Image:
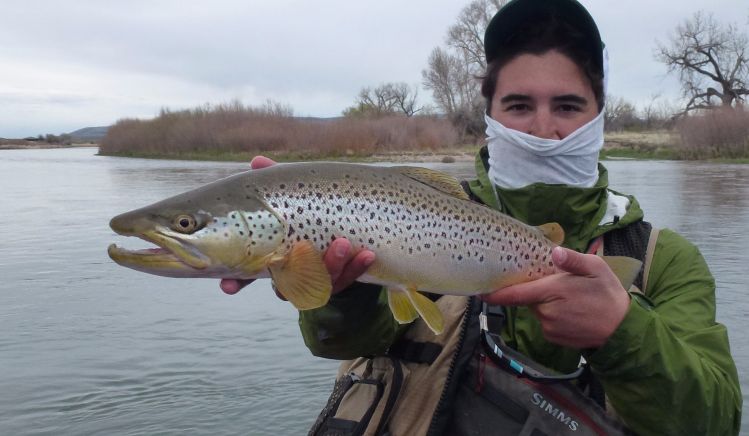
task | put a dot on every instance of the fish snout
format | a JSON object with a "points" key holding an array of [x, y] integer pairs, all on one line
{"points": [[122, 224]]}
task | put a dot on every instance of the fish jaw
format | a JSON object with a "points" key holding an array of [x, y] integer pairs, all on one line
{"points": [[172, 258], [153, 261]]}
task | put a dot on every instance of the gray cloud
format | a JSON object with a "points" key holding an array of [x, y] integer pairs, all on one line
{"points": [[103, 60]]}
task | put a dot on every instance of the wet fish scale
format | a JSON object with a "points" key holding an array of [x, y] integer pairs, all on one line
{"points": [[472, 248]]}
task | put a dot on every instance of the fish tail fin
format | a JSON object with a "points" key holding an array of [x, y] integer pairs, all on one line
{"points": [[625, 268]]}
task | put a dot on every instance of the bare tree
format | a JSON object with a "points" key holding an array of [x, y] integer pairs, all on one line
{"points": [[405, 98], [712, 61], [451, 73], [619, 114], [386, 99], [658, 113]]}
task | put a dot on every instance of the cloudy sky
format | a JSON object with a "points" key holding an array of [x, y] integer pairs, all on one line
{"points": [[67, 65]]}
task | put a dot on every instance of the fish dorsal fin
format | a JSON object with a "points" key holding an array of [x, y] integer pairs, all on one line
{"points": [[553, 232], [436, 179], [428, 310], [301, 276], [403, 311]]}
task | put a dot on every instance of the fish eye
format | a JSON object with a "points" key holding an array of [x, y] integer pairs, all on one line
{"points": [[185, 224]]}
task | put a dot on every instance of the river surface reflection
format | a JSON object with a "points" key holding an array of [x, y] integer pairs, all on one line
{"points": [[89, 347]]}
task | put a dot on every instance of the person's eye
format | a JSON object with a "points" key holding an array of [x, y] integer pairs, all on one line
{"points": [[569, 108], [519, 107]]}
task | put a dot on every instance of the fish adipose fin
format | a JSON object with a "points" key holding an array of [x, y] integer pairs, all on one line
{"points": [[436, 179], [553, 232], [626, 269], [428, 310], [403, 311], [301, 277]]}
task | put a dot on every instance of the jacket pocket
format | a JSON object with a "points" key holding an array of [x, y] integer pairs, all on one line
{"points": [[362, 399]]}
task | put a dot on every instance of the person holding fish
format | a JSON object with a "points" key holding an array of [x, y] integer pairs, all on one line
{"points": [[657, 358]]}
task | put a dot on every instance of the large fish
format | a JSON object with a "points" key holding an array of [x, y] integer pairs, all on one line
{"points": [[276, 222]]}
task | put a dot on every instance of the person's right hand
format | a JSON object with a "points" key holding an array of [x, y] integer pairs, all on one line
{"points": [[344, 265]]}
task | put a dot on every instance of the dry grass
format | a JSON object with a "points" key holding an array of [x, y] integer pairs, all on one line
{"points": [[656, 144], [236, 129], [716, 134]]}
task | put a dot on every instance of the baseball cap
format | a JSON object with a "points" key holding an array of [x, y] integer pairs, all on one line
{"points": [[517, 13]]}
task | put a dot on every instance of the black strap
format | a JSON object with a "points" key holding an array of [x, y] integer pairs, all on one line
{"points": [[416, 352], [471, 195]]}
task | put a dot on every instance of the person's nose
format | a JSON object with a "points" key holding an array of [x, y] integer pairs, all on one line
{"points": [[543, 126]]}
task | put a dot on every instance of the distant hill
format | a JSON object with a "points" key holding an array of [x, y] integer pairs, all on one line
{"points": [[88, 134]]}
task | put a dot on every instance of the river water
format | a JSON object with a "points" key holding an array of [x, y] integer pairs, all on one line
{"points": [[88, 347]]}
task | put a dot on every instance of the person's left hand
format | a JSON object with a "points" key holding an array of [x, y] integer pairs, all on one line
{"points": [[580, 306]]}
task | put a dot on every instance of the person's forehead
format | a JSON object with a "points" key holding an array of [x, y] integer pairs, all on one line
{"points": [[546, 75]]}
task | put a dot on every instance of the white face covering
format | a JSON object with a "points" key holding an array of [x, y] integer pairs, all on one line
{"points": [[517, 159]]}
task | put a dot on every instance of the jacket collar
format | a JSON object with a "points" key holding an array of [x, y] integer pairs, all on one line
{"points": [[578, 210]]}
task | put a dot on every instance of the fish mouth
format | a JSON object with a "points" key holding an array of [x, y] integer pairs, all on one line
{"points": [[171, 257]]}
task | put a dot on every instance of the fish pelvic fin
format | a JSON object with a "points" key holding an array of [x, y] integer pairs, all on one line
{"points": [[625, 268], [301, 276], [436, 179], [553, 232], [428, 310], [403, 311]]}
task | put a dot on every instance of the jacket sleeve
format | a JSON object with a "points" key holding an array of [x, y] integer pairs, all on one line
{"points": [[668, 368], [355, 322]]}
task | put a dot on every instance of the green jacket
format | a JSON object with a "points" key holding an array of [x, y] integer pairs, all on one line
{"points": [[667, 369]]}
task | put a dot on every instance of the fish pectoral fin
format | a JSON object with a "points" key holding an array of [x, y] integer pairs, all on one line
{"points": [[436, 179], [403, 311], [301, 276], [625, 268], [428, 310], [553, 232]]}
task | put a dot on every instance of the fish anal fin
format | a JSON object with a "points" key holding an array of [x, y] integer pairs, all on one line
{"points": [[553, 232], [428, 310], [301, 276], [625, 268], [436, 179], [403, 311]]}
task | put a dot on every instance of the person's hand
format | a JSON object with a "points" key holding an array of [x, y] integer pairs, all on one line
{"points": [[580, 306], [343, 264]]}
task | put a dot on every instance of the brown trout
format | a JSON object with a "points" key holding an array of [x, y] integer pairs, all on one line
{"points": [[277, 222]]}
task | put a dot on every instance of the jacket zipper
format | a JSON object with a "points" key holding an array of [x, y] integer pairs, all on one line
{"points": [[450, 372]]}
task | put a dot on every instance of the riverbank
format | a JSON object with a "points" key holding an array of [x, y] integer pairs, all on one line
{"points": [[39, 146], [630, 145], [653, 145]]}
